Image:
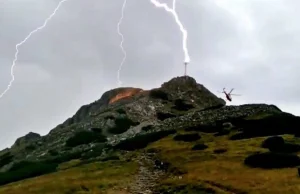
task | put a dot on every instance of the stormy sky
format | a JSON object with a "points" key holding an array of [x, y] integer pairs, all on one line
{"points": [[250, 45]]}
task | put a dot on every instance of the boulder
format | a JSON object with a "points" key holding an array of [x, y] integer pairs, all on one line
{"points": [[190, 93]]}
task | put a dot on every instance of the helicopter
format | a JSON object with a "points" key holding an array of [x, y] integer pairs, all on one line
{"points": [[228, 95]]}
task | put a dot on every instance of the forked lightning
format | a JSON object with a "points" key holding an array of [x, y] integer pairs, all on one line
{"points": [[121, 44], [182, 29], [22, 42]]}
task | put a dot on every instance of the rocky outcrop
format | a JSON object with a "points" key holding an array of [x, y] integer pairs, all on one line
{"points": [[106, 99], [189, 91], [28, 138], [125, 94]]}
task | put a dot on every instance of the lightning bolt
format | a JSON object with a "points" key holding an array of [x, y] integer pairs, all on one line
{"points": [[121, 44], [22, 42], [177, 20]]}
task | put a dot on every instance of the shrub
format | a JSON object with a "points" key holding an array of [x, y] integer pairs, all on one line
{"points": [[141, 141], [6, 159], [95, 152], [158, 94], [153, 150], [277, 144], [187, 137], [109, 158], [121, 111], [239, 136], [205, 128], [273, 143], [163, 116], [84, 137], [109, 117], [122, 125], [271, 160], [65, 157], [289, 148], [183, 188], [30, 147], [25, 169], [53, 152], [199, 146], [96, 130], [223, 132], [220, 151], [277, 124]]}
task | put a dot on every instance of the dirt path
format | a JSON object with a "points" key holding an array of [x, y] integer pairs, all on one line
{"points": [[147, 177]]}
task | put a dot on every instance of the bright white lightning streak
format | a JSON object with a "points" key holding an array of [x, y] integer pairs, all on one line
{"points": [[182, 29], [22, 42], [121, 44]]}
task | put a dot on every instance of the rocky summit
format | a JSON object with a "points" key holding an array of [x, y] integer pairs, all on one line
{"points": [[178, 138]]}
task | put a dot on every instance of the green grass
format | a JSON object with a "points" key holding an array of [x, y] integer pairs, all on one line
{"points": [[97, 177], [191, 171], [225, 172]]}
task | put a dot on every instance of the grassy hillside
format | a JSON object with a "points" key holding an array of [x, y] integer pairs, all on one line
{"points": [[97, 177], [225, 172], [219, 168]]}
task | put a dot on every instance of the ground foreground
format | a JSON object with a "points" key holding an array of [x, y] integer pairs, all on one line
{"points": [[219, 168]]}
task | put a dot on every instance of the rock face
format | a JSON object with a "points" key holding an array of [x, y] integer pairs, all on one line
{"points": [[187, 89], [26, 139], [124, 113], [101, 104], [125, 94]]}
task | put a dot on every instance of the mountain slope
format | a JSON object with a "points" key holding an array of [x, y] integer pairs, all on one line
{"points": [[179, 138]]}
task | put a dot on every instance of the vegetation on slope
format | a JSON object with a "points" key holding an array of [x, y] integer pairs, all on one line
{"points": [[97, 177], [209, 164], [122, 124], [25, 170], [227, 171], [84, 137], [200, 148]]}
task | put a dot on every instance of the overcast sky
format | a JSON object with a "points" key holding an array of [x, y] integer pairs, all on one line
{"points": [[251, 45]]}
